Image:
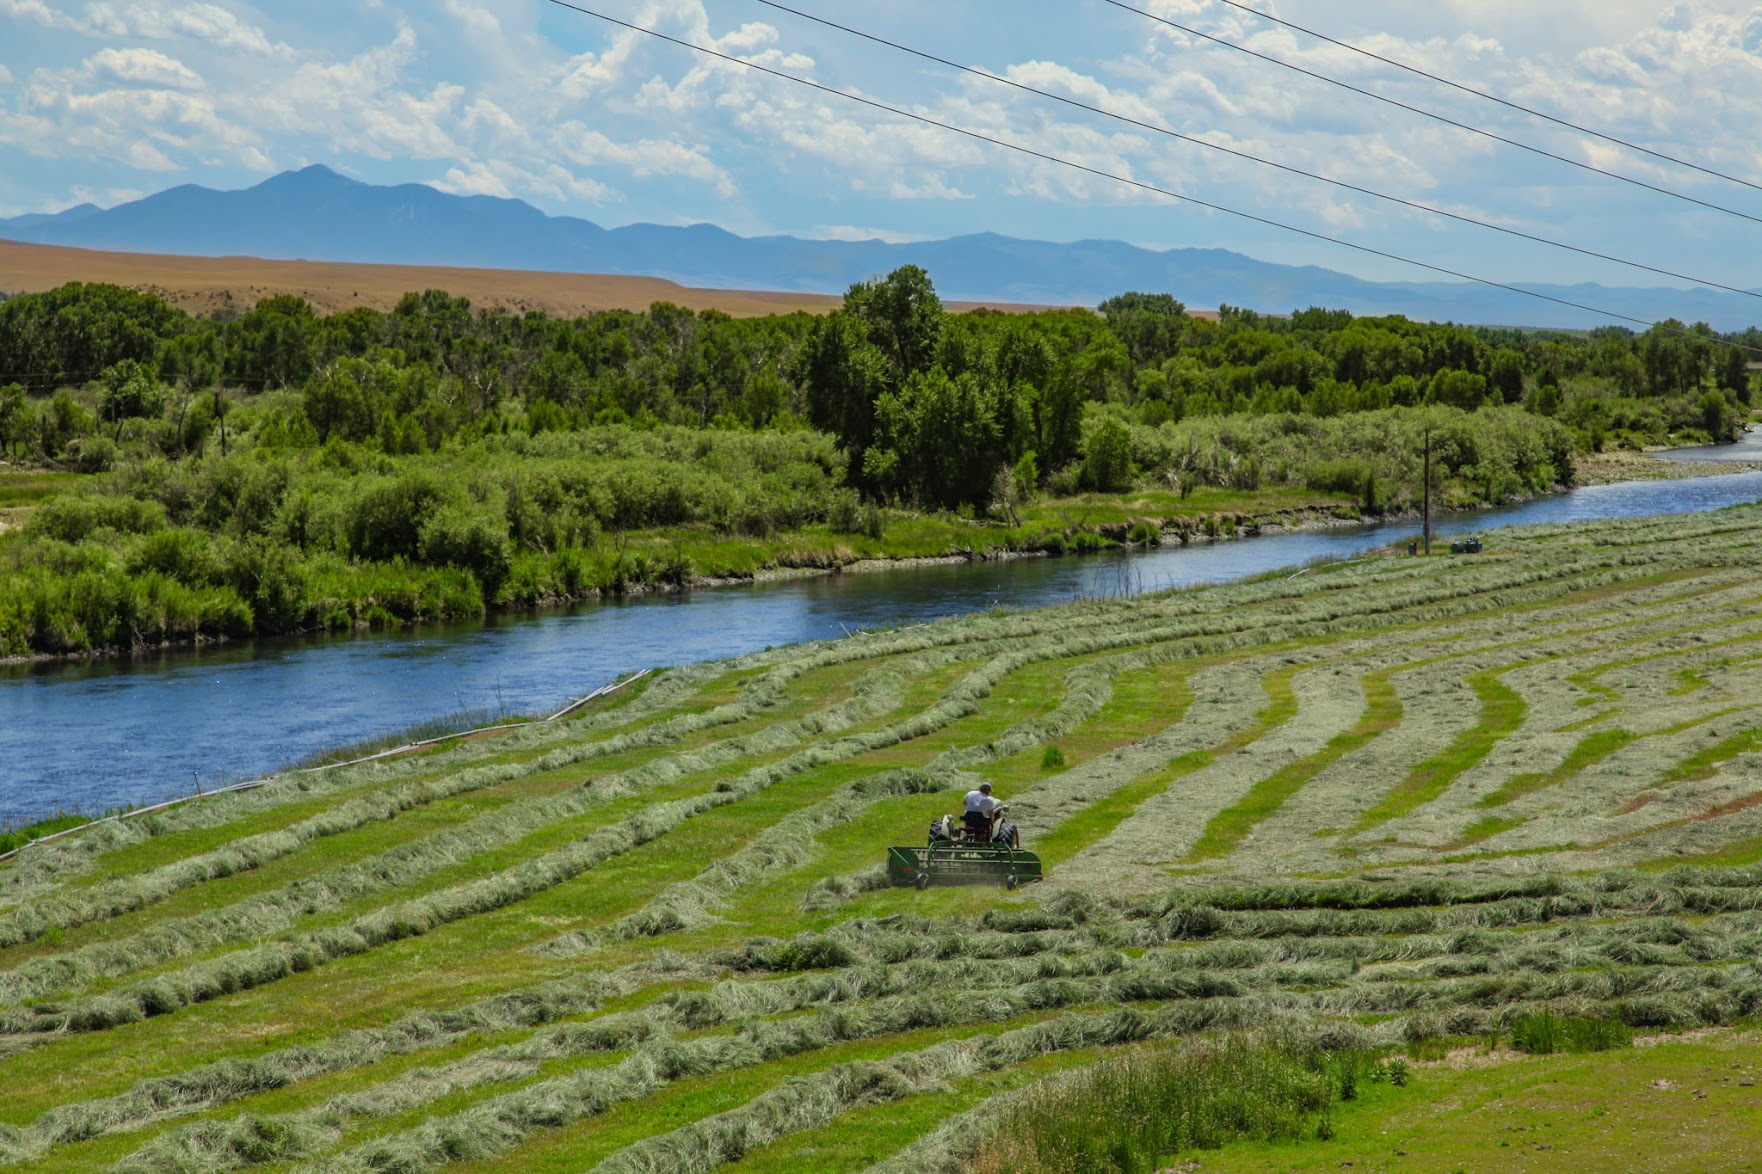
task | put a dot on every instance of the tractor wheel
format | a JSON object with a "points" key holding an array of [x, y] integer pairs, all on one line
{"points": [[923, 881], [1011, 881]]}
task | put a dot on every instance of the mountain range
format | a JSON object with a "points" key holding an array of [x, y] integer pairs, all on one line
{"points": [[317, 214]]}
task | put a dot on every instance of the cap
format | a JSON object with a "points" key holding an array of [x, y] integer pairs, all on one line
{"points": [[984, 786]]}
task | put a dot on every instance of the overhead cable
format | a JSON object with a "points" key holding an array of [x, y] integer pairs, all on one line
{"points": [[1447, 121], [1157, 128], [1141, 185], [1494, 98]]}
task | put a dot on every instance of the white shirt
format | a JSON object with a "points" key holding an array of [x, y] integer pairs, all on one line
{"points": [[982, 803]]}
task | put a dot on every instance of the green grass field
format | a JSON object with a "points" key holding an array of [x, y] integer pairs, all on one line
{"points": [[1391, 806]]}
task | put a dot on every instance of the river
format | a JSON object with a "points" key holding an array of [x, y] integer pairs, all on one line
{"points": [[88, 736]]}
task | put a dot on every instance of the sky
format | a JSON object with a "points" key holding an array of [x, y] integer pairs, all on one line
{"points": [[108, 100]]}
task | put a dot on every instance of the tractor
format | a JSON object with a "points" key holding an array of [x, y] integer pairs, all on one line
{"points": [[958, 855]]}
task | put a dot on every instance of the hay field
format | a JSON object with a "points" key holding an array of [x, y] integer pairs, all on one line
{"points": [[1398, 798], [209, 285]]}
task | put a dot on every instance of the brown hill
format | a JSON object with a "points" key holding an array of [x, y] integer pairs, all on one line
{"points": [[208, 285]]}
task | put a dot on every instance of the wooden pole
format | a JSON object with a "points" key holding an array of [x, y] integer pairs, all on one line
{"points": [[1426, 493]]}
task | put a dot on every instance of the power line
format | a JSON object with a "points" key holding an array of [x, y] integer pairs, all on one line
{"points": [[1142, 185], [1508, 104], [1424, 113], [1175, 134]]}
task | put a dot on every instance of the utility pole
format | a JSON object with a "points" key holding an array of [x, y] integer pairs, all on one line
{"points": [[1426, 493]]}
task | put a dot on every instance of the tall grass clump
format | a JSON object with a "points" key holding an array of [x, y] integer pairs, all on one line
{"points": [[461, 721], [1130, 1112], [18, 837], [1545, 1033]]}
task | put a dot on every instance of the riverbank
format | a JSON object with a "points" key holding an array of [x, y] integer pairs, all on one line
{"points": [[136, 727], [361, 596], [173, 611], [1607, 468]]}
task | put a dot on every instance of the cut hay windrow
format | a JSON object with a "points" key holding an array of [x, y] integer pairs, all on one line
{"points": [[228, 1080], [273, 912], [1608, 722], [24, 920], [250, 968], [1037, 983], [50, 865]]}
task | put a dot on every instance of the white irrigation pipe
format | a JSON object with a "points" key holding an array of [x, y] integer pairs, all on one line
{"points": [[602, 691]]}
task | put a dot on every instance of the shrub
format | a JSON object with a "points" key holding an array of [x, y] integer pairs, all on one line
{"points": [[186, 555], [1132, 1112], [1544, 1033], [1065, 481], [386, 519], [94, 454], [1342, 475], [459, 537], [73, 518], [848, 514], [1107, 456], [1052, 759]]}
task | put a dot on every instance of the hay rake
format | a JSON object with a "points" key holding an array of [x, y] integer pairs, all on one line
{"points": [[954, 857]]}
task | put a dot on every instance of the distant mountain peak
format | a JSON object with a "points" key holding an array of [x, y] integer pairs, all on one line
{"points": [[317, 213], [315, 175]]}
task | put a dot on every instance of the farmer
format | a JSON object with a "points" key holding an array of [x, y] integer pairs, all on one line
{"points": [[980, 808]]}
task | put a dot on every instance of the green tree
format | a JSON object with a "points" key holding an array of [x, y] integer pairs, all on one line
{"points": [[887, 332], [1107, 454], [1734, 372], [191, 360], [902, 316], [1505, 375], [844, 375], [1668, 359], [558, 376], [1716, 414], [940, 440], [275, 344], [347, 401], [13, 409], [130, 391], [1458, 389], [1150, 325], [70, 334]]}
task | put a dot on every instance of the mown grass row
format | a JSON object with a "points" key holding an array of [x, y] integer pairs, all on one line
{"points": [[667, 922]]}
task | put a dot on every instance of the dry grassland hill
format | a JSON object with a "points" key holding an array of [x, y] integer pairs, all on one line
{"points": [[219, 285]]}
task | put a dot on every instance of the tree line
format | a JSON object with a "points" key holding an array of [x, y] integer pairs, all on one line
{"points": [[284, 471], [932, 408]]}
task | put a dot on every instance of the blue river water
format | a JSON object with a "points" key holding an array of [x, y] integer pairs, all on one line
{"points": [[88, 736]]}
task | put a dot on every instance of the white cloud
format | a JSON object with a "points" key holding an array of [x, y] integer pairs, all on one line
{"points": [[203, 22], [471, 94], [850, 232], [474, 179], [511, 181], [645, 157], [143, 67], [33, 10], [1058, 79]]}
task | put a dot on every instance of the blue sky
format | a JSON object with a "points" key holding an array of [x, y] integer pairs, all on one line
{"points": [[105, 100]]}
